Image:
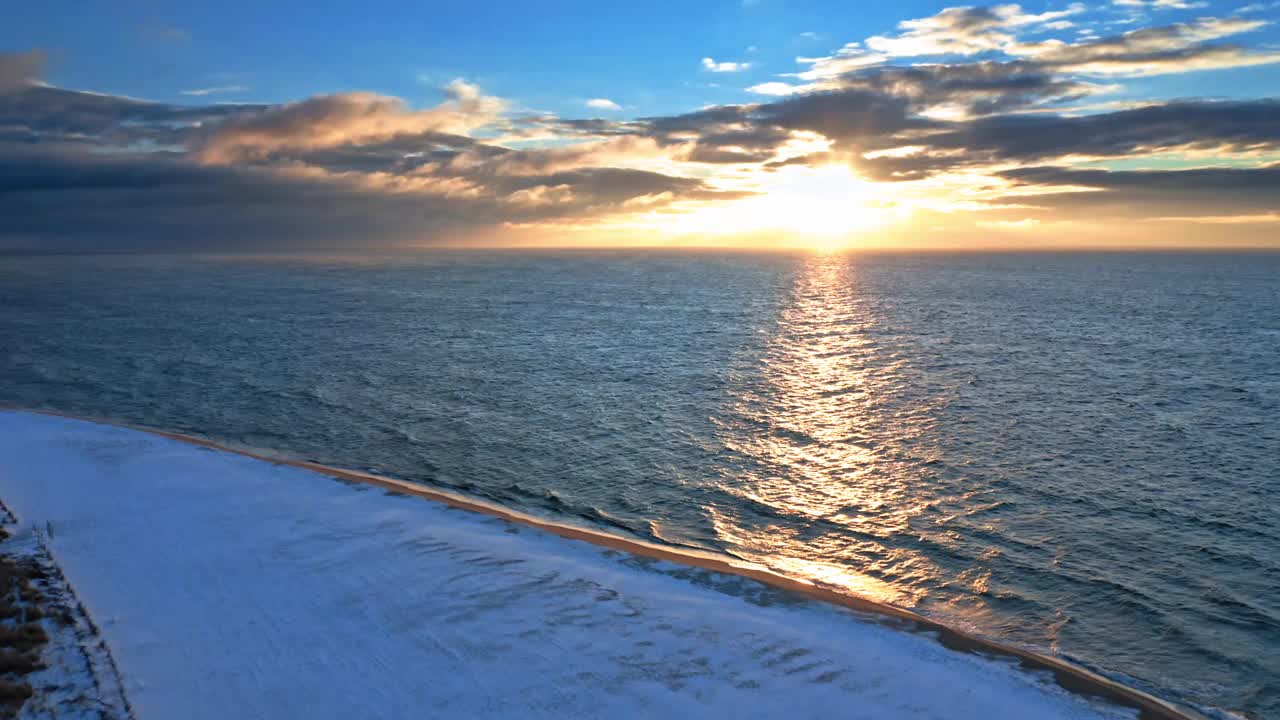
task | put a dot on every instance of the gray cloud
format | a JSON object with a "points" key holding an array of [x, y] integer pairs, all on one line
{"points": [[980, 88], [1243, 126], [54, 115], [1152, 193], [741, 133], [71, 200], [1236, 126]]}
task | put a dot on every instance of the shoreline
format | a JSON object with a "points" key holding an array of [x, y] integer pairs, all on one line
{"points": [[1069, 676]]}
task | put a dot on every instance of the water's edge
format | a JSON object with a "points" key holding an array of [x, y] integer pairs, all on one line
{"points": [[1067, 674]]}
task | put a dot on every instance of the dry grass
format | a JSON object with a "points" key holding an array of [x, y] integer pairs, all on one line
{"points": [[13, 693], [21, 633]]}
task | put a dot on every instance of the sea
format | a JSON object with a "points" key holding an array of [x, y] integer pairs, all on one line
{"points": [[1071, 452]]}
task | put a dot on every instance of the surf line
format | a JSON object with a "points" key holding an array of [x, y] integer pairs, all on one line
{"points": [[1068, 675]]}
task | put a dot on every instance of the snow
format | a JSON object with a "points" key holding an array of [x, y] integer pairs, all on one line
{"points": [[232, 587], [79, 680]]}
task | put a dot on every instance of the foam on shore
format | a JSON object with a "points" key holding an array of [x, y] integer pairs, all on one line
{"points": [[228, 586]]}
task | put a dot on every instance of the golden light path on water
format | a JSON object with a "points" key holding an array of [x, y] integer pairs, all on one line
{"points": [[825, 439]]}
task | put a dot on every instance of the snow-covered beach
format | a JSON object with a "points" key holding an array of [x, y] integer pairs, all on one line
{"points": [[229, 586]]}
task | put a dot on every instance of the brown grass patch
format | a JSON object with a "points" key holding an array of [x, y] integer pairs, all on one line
{"points": [[12, 694], [19, 663], [21, 633]]}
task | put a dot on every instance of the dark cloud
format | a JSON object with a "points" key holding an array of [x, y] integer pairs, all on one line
{"points": [[754, 133], [980, 88], [147, 202], [1265, 180], [851, 116], [1199, 191], [1236, 126], [163, 201], [55, 115], [703, 152]]}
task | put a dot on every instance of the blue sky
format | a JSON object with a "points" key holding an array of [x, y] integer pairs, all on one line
{"points": [[909, 122], [547, 56]]}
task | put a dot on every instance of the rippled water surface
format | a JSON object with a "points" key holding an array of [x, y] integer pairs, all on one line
{"points": [[1078, 453]]}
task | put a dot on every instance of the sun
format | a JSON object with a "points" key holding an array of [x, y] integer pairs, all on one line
{"points": [[826, 209]]}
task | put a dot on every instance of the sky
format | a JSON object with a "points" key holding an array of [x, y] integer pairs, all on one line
{"points": [[145, 126]]}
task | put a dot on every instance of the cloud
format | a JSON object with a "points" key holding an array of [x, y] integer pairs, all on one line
{"points": [[19, 70], [315, 173], [972, 89], [779, 89], [963, 30], [1188, 193], [52, 115], [359, 117], [1257, 7], [1212, 127], [850, 58], [987, 116], [954, 90], [1150, 51], [1268, 218], [1162, 4], [1035, 73], [201, 92], [724, 67], [967, 31], [145, 202]]}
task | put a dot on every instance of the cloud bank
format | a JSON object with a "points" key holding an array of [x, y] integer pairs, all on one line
{"points": [[978, 119]]}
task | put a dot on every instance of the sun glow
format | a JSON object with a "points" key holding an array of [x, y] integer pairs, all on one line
{"points": [[825, 208]]}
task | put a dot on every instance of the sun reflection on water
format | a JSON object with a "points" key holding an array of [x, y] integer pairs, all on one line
{"points": [[820, 437]]}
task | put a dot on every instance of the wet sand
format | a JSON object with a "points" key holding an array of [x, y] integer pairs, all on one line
{"points": [[1070, 676]]}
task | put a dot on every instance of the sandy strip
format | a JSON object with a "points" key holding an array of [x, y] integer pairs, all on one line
{"points": [[1070, 676]]}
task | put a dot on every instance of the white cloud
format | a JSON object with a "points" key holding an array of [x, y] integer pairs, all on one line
{"points": [[847, 59], [603, 104], [1163, 4], [964, 30], [723, 67], [214, 90], [776, 89], [1257, 7]]}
